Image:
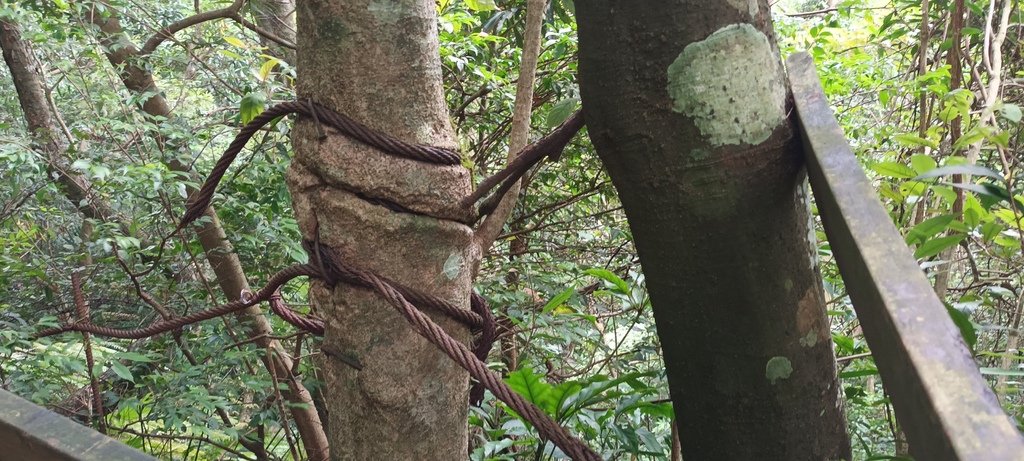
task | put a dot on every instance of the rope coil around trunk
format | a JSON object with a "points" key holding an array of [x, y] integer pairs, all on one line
{"points": [[327, 266]]}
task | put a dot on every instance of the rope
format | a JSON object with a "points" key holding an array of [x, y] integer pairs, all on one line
{"points": [[321, 115], [325, 264]]}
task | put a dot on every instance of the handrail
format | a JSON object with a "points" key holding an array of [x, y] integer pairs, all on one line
{"points": [[31, 432], [942, 402]]}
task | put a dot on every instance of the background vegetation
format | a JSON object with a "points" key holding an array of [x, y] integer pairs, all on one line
{"points": [[579, 339]]}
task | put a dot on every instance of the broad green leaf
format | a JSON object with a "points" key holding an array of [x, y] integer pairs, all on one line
{"points": [[133, 356], [562, 393], [928, 228], [561, 111], [963, 322], [990, 230], [558, 300], [234, 42], [858, 373], [481, 5], [529, 385], [935, 246], [913, 140], [252, 105], [620, 285], [267, 67], [893, 170], [922, 163], [972, 136], [973, 170], [122, 371], [1011, 112]]}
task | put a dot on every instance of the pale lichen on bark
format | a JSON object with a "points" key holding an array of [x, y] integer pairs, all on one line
{"points": [[730, 85], [747, 6]]}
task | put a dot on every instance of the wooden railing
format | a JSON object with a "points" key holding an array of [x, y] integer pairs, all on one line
{"points": [[30, 432], [941, 400]]}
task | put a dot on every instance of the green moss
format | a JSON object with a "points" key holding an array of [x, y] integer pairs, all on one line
{"points": [[730, 85]]}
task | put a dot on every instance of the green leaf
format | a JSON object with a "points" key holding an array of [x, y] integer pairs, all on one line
{"points": [[134, 357], [562, 393], [963, 322], [893, 170], [858, 373], [267, 68], [1011, 112], [928, 228], [561, 111], [935, 246], [620, 285], [913, 140], [529, 385], [973, 170], [922, 163], [990, 230], [252, 106], [558, 300], [234, 42], [122, 371], [481, 5]]}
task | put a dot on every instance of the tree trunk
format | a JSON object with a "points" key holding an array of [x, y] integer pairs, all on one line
{"points": [[686, 104], [378, 63]]}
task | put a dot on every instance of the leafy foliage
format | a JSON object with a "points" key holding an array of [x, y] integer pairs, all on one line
{"points": [[579, 338]]}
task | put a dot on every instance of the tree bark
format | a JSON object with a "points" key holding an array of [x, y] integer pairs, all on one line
{"points": [[686, 104], [378, 63]]}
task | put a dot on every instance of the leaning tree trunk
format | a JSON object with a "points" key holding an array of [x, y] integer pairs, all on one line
{"points": [[378, 63], [686, 103]]}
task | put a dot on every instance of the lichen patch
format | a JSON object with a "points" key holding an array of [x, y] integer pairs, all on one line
{"points": [[730, 85], [745, 6], [810, 339], [453, 266], [778, 368]]}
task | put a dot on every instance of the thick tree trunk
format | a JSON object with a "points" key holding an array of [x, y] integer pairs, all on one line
{"points": [[686, 104], [378, 63]]}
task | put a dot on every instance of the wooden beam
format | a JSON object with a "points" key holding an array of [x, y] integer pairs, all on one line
{"points": [[941, 400], [31, 432]]}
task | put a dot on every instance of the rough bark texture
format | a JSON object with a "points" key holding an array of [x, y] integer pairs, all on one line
{"points": [[378, 62], [124, 55], [686, 105]]}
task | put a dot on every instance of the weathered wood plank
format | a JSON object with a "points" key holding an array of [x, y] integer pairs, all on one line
{"points": [[31, 432], [945, 406]]}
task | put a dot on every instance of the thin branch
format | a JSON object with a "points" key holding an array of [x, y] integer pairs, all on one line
{"points": [[229, 12]]}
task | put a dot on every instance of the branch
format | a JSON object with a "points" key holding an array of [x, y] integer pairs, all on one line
{"points": [[495, 221], [229, 12]]}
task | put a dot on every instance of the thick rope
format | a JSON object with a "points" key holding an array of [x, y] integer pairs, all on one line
{"points": [[322, 115], [326, 266]]}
